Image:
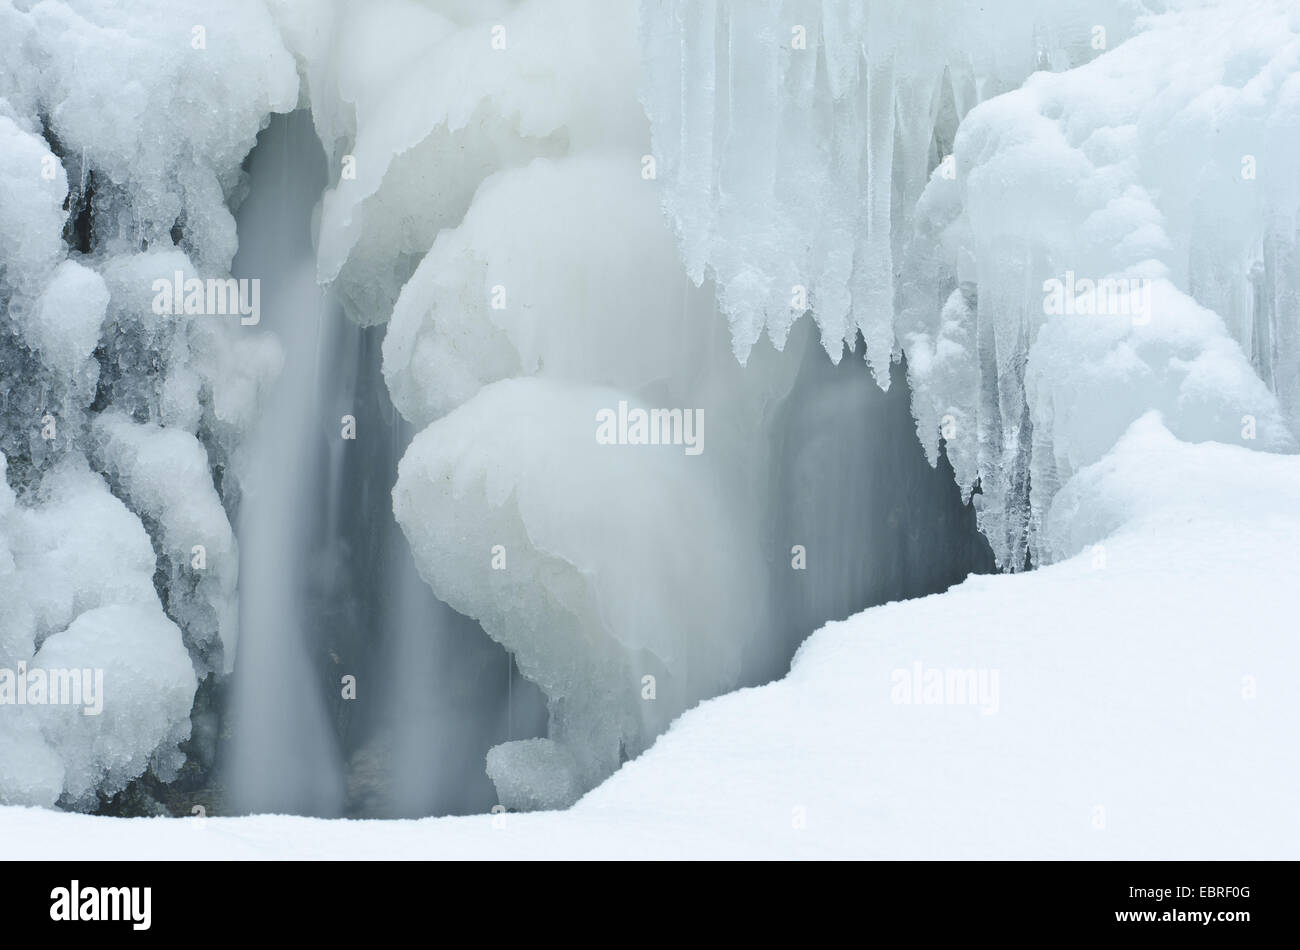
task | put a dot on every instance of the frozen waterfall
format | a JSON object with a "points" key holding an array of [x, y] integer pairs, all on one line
{"points": [[602, 351]]}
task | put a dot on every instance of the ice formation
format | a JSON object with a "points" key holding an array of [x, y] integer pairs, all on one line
{"points": [[794, 139], [1165, 159], [1139, 165], [411, 130], [450, 334], [76, 577], [164, 472], [518, 467], [481, 156], [494, 198], [122, 130]]}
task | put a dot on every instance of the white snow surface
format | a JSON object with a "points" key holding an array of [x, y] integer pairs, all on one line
{"points": [[1144, 710]]}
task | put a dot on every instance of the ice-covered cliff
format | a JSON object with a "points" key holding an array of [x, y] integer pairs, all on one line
{"points": [[900, 172]]}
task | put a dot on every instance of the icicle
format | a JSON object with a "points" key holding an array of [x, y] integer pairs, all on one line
{"points": [[873, 273]]}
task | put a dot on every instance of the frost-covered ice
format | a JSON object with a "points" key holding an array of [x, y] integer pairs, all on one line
{"points": [[795, 138], [64, 326], [76, 589], [423, 122], [122, 132], [164, 471], [589, 613], [128, 93], [1167, 158], [589, 260]]}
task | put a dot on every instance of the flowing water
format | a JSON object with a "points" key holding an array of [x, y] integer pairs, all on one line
{"points": [[328, 591]]}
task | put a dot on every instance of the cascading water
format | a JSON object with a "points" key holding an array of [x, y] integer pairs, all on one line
{"points": [[284, 756], [861, 499], [433, 692], [328, 590]]}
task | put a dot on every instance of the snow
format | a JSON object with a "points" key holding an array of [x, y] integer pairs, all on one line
{"points": [[1144, 710]]}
